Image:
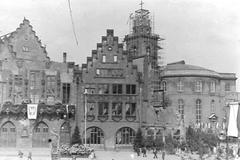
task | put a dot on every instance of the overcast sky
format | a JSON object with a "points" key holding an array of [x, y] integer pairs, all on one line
{"points": [[202, 32]]}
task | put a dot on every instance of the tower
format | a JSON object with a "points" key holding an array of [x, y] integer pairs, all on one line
{"points": [[143, 49]]}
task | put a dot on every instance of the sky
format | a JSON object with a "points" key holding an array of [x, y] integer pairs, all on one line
{"points": [[205, 33]]}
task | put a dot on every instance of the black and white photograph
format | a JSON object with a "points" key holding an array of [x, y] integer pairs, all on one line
{"points": [[119, 80]]}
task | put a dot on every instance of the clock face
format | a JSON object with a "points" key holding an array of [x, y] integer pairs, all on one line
{"points": [[110, 48]]}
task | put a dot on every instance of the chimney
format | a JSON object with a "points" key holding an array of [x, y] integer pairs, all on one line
{"points": [[64, 57]]}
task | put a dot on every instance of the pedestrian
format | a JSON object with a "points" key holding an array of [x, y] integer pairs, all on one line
{"points": [[155, 153], [163, 154], [138, 151], [20, 154], [144, 151], [30, 156]]}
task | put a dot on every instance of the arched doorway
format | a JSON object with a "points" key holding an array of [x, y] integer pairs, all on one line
{"points": [[125, 137], [8, 135], [40, 135], [95, 137], [65, 134]]}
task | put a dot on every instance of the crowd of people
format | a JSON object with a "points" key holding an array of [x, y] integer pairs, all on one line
{"points": [[143, 151]]}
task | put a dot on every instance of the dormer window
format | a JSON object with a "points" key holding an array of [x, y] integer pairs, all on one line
{"points": [[98, 72], [148, 50], [25, 49], [109, 48], [115, 58], [104, 58]]}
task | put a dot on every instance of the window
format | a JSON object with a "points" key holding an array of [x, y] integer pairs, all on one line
{"points": [[115, 58], [102, 108], [12, 129], [4, 129], [66, 93], [33, 80], [180, 86], [164, 86], [103, 88], [198, 86], [130, 89], [97, 71], [125, 136], [181, 108], [95, 135], [51, 85], [198, 111], [90, 108], [227, 87], [148, 50], [37, 129], [212, 106], [25, 49], [18, 80], [213, 87], [117, 88], [130, 109], [45, 129], [104, 58], [116, 109]]}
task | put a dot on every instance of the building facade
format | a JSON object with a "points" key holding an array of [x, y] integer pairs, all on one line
{"points": [[111, 96], [28, 76], [116, 92], [199, 95]]}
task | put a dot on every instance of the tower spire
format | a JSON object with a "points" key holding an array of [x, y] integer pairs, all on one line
{"points": [[141, 4]]}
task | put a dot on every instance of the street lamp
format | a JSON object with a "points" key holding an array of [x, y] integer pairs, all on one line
{"points": [[223, 134]]}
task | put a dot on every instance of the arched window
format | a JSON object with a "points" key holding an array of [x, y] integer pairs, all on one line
{"points": [[95, 135], [40, 135], [125, 136], [181, 108], [8, 135], [65, 133], [164, 86], [198, 111]]}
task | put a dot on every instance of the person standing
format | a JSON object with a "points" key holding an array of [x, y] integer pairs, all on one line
{"points": [[163, 154], [30, 156], [155, 153], [138, 151], [144, 152]]}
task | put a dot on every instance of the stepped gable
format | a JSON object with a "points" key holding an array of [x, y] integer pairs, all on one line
{"points": [[24, 36], [108, 48]]}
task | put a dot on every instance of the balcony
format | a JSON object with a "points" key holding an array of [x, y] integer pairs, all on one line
{"points": [[102, 118], [131, 118], [90, 117], [116, 118]]}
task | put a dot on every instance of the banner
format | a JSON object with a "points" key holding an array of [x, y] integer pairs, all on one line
{"points": [[233, 119], [32, 111]]}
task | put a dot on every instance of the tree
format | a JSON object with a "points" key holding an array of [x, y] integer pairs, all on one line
{"points": [[76, 139], [138, 141]]}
